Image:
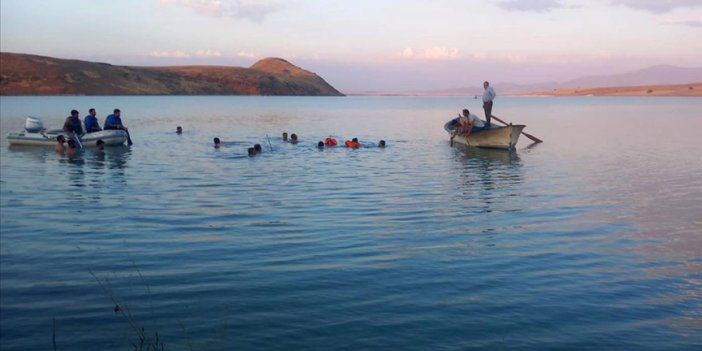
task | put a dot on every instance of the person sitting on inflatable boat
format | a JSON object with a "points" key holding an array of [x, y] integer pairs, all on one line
{"points": [[73, 125]]}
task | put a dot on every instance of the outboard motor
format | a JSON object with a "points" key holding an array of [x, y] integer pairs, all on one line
{"points": [[33, 125]]}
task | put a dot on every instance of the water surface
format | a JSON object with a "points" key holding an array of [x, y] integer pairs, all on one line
{"points": [[589, 241]]}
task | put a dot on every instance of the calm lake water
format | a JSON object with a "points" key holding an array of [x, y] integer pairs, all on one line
{"points": [[589, 241]]}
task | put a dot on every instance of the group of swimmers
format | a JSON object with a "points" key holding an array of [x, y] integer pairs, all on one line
{"points": [[328, 142], [71, 147]]}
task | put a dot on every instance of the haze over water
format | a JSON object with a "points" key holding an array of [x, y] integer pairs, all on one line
{"points": [[591, 240]]}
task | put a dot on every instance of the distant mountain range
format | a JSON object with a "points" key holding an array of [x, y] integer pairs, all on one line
{"points": [[661, 75], [23, 74]]}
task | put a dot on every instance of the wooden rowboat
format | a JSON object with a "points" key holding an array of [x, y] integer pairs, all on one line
{"points": [[495, 138]]}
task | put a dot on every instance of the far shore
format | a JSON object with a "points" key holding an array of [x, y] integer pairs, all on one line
{"points": [[691, 89]]}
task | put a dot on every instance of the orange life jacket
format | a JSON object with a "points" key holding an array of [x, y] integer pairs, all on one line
{"points": [[330, 142], [351, 144]]}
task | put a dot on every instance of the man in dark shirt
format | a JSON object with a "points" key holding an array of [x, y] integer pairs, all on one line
{"points": [[72, 125], [91, 122]]}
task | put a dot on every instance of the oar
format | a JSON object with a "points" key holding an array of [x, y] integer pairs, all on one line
{"points": [[129, 140], [269, 142], [76, 137], [535, 139]]}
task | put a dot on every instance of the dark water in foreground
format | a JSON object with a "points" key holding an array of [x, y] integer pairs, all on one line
{"points": [[591, 240]]}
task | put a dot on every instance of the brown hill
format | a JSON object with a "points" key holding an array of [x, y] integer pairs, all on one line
{"points": [[690, 89], [22, 74]]}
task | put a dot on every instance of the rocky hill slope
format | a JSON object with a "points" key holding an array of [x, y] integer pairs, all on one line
{"points": [[23, 74]]}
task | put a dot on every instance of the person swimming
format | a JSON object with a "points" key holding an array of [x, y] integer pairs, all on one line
{"points": [[381, 143], [285, 136], [258, 148], [330, 141], [72, 150], [353, 143], [100, 145], [217, 143], [293, 138], [59, 147], [252, 152], [320, 144], [179, 130]]}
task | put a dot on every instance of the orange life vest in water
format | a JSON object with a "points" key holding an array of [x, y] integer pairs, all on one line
{"points": [[352, 144], [330, 142]]}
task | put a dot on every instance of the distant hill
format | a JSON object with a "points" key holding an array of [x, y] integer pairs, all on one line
{"points": [[690, 89], [634, 83], [23, 74], [654, 75]]}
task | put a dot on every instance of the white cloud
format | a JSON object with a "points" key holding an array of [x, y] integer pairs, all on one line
{"points": [[247, 54], [169, 54], [252, 9], [657, 6], [208, 53], [407, 52], [681, 22], [433, 53], [441, 53], [530, 5], [184, 54]]}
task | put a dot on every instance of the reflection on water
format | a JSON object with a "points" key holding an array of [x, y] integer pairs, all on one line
{"points": [[582, 242]]}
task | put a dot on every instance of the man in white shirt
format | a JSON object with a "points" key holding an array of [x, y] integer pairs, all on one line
{"points": [[488, 97], [468, 123]]}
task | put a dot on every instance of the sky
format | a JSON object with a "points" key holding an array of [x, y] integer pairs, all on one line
{"points": [[375, 45]]}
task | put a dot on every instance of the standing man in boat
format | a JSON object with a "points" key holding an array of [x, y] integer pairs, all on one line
{"points": [[72, 125], [488, 97], [91, 122]]}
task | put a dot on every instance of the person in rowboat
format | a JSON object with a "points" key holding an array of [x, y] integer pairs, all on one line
{"points": [[91, 122], [468, 123], [73, 125], [488, 97]]}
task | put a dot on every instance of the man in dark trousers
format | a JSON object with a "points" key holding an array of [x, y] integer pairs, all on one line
{"points": [[488, 97]]}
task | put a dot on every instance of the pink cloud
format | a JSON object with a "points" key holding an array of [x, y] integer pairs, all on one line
{"points": [[252, 9]]}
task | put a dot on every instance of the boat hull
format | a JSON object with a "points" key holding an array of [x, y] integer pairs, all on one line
{"points": [[495, 138], [44, 138]]}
